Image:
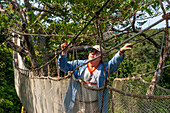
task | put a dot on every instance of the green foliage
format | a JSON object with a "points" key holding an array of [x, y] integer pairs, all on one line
{"points": [[144, 58], [9, 101], [164, 82], [69, 17], [65, 19]]}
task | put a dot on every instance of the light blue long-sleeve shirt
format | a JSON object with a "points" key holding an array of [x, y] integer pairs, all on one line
{"points": [[66, 66]]}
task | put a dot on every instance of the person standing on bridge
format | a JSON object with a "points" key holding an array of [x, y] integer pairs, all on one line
{"points": [[82, 100]]}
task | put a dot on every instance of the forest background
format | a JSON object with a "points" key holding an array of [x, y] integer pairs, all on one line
{"points": [[119, 20]]}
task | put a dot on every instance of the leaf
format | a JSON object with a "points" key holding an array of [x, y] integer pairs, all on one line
{"points": [[149, 11], [167, 7], [6, 18]]}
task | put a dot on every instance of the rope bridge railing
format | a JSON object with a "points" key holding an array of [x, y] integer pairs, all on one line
{"points": [[39, 69], [125, 94], [70, 74], [139, 101]]}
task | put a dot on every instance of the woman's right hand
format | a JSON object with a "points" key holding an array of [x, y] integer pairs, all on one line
{"points": [[63, 45]]}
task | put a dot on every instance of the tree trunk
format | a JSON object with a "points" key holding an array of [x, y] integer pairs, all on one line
{"points": [[45, 57]]}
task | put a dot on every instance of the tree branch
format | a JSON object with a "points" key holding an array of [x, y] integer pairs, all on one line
{"points": [[17, 48], [43, 10], [28, 8], [113, 29], [162, 7], [116, 35], [27, 5], [28, 34], [27, 39], [143, 34], [20, 10], [42, 16], [168, 2]]}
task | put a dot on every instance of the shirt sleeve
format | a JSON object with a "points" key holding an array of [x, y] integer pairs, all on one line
{"points": [[115, 62], [65, 65]]}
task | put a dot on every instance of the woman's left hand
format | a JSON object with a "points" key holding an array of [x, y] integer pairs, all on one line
{"points": [[126, 47]]}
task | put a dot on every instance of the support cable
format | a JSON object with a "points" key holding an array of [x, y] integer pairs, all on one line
{"points": [[100, 35], [141, 40], [74, 39], [106, 52]]}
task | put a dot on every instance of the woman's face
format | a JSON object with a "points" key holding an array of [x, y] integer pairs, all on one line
{"points": [[93, 54]]}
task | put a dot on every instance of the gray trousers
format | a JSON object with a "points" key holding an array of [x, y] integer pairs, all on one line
{"points": [[85, 107]]}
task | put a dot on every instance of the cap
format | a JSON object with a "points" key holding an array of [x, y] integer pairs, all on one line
{"points": [[97, 47]]}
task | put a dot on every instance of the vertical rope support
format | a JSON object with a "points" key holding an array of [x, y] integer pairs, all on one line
{"points": [[112, 101], [159, 69], [79, 77], [77, 63], [152, 88], [163, 56], [48, 70], [166, 16], [58, 70], [41, 72], [99, 35]]}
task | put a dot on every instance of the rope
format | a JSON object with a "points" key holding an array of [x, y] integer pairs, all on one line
{"points": [[74, 39], [117, 45], [98, 12], [127, 40], [123, 42], [141, 40], [100, 35], [70, 73], [139, 96], [97, 57], [109, 87], [105, 86], [148, 37]]}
